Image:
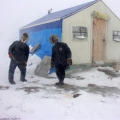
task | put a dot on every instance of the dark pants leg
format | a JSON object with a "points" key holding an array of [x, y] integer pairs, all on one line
{"points": [[13, 65], [60, 72], [22, 68]]}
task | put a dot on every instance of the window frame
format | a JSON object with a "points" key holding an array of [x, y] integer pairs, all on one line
{"points": [[82, 31], [117, 35]]}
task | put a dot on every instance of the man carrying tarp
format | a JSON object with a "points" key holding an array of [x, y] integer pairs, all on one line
{"points": [[61, 58], [18, 52]]}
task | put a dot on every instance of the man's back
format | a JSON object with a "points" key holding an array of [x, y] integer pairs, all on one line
{"points": [[20, 51]]}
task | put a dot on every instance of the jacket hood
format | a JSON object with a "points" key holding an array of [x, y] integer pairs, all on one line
{"points": [[25, 40], [53, 36]]}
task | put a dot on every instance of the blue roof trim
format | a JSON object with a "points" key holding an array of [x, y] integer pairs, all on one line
{"points": [[56, 24], [62, 14]]}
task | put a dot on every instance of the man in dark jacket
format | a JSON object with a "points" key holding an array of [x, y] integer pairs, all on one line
{"points": [[61, 58], [18, 53]]}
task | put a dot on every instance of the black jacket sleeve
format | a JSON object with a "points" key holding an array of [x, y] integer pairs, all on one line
{"points": [[26, 53], [11, 48], [68, 51], [53, 54]]}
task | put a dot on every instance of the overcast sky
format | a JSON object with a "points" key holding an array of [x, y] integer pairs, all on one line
{"points": [[17, 13]]}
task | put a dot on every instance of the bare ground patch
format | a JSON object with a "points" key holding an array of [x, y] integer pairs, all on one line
{"points": [[54, 89], [4, 87]]}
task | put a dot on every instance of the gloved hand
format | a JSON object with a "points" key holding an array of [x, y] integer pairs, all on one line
{"points": [[52, 64], [25, 63], [10, 55], [69, 61]]}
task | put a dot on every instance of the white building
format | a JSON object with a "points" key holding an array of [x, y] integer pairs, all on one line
{"points": [[91, 30]]}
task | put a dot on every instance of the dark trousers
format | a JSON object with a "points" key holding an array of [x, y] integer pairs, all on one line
{"points": [[60, 72], [12, 67]]}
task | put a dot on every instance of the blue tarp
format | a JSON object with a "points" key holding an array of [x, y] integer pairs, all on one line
{"points": [[41, 35]]}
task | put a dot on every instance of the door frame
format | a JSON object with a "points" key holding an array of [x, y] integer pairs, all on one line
{"points": [[104, 54]]}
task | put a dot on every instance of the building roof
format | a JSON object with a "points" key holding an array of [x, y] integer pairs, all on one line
{"points": [[60, 14]]}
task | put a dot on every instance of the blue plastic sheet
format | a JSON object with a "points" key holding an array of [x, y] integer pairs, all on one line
{"points": [[41, 35]]}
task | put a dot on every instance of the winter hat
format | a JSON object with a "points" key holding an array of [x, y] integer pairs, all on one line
{"points": [[25, 35], [53, 37]]}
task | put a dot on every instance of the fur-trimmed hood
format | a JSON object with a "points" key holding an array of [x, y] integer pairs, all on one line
{"points": [[53, 36], [25, 40]]}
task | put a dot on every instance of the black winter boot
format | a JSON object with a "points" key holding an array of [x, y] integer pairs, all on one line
{"points": [[59, 83], [23, 80], [12, 82]]}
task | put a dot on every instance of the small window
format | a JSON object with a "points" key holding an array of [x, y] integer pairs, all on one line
{"points": [[116, 36], [79, 32]]}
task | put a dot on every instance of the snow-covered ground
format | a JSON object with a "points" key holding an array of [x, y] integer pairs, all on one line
{"points": [[40, 99], [88, 95]]}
